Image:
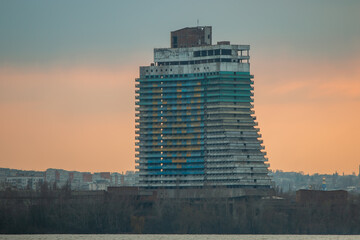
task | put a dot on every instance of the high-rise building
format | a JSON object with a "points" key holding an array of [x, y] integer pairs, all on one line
{"points": [[194, 119]]}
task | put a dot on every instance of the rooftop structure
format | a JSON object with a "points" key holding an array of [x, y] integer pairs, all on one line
{"points": [[194, 119], [191, 37]]}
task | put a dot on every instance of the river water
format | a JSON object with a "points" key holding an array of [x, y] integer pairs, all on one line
{"points": [[175, 237]]}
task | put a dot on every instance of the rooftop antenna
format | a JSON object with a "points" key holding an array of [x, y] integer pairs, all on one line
{"points": [[198, 22]]}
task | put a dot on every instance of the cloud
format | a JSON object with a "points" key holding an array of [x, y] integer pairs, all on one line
{"points": [[81, 118], [77, 90], [344, 88], [288, 88], [303, 81], [309, 119]]}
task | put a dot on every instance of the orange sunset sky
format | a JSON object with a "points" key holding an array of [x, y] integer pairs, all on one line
{"points": [[67, 75]]}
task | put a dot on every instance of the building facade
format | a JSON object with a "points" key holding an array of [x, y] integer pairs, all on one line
{"points": [[195, 124]]}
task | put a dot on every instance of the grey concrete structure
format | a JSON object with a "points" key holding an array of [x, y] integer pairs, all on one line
{"points": [[195, 120]]}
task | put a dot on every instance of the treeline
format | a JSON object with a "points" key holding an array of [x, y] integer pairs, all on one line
{"points": [[64, 211]]}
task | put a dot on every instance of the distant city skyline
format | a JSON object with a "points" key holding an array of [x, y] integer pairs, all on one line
{"points": [[68, 69]]}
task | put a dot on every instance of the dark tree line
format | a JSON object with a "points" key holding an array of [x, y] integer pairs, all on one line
{"points": [[63, 211]]}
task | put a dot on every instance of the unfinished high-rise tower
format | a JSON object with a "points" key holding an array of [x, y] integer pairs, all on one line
{"points": [[194, 122]]}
